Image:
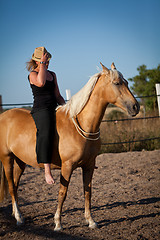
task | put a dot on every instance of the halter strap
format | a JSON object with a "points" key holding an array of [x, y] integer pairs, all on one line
{"points": [[82, 132]]}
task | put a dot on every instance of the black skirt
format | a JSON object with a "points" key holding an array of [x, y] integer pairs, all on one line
{"points": [[45, 120]]}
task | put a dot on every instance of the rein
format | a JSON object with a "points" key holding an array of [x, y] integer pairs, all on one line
{"points": [[82, 132]]}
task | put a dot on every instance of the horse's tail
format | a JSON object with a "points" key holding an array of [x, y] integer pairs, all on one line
{"points": [[3, 183]]}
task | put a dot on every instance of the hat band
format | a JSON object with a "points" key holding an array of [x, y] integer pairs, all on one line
{"points": [[37, 57]]}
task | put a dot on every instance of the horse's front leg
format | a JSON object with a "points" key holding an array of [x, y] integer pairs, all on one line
{"points": [[66, 172], [87, 179]]}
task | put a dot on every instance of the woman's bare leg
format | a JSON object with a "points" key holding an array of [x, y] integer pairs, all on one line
{"points": [[48, 174]]}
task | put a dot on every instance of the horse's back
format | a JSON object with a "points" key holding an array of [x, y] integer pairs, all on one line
{"points": [[13, 114], [14, 118]]}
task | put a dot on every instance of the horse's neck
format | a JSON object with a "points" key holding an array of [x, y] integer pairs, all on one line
{"points": [[91, 116]]}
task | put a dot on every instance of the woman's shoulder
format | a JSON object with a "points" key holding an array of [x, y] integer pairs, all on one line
{"points": [[53, 73], [32, 74]]}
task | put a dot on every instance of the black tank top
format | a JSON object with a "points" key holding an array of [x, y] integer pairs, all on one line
{"points": [[44, 97]]}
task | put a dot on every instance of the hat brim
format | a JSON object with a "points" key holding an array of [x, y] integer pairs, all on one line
{"points": [[39, 59]]}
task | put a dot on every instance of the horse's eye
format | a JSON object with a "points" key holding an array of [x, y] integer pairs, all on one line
{"points": [[117, 83]]}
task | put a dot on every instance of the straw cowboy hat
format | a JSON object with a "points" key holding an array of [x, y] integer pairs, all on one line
{"points": [[38, 53]]}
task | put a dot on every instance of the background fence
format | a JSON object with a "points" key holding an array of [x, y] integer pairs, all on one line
{"points": [[135, 134], [122, 133]]}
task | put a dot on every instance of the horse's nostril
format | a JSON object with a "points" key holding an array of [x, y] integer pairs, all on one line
{"points": [[136, 107]]}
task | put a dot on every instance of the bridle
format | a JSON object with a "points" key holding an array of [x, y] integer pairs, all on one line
{"points": [[83, 133]]}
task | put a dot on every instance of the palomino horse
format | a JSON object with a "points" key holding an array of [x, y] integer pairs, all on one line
{"points": [[77, 140]]}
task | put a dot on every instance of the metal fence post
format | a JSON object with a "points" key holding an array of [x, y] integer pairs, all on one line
{"points": [[68, 94], [1, 109], [158, 95]]}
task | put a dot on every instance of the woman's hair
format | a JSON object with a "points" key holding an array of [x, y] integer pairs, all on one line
{"points": [[31, 65]]}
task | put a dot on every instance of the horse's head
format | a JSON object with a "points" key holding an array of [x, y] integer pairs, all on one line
{"points": [[118, 92]]}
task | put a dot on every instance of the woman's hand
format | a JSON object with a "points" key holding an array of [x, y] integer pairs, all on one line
{"points": [[44, 58]]}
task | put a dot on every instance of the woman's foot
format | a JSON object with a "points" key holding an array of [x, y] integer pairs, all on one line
{"points": [[48, 175], [49, 179]]}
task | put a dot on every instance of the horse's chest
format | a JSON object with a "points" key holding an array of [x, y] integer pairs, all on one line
{"points": [[89, 152]]}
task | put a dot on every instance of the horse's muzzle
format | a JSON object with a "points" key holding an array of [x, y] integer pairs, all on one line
{"points": [[134, 109]]}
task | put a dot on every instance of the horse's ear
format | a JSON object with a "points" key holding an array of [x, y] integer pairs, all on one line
{"points": [[113, 66], [104, 68]]}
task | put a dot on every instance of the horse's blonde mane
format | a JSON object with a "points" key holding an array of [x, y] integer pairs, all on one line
{"points": [[79, 100]]}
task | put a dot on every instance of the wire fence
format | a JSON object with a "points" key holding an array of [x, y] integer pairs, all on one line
{"points": [[105, 121], [132, 141], [133, 119], [140, 140], [15, 104], [30, 104]]}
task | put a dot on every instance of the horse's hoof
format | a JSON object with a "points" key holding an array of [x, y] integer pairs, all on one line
{"points": [[93, 225], [21, 222], [58, 228]]}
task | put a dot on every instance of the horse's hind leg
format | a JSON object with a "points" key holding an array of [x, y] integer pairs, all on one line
{"points": [[87, 178], [8, 162]]}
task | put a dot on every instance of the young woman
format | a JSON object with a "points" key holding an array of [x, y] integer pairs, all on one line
{"points": [[46, 97]]}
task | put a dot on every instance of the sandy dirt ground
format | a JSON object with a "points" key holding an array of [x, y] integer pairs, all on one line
{"points": [[125, 202]]}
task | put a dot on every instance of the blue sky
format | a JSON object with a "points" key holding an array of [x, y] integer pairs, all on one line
{"points": [[79, 34]]}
